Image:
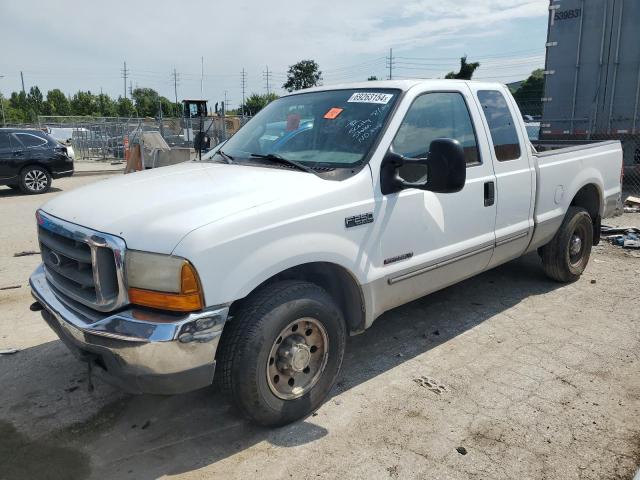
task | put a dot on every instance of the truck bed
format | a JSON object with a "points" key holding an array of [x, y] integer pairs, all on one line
{"points": [[561, 173]]}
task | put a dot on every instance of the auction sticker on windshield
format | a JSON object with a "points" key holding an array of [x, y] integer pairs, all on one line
{"points": [[370, 97]]}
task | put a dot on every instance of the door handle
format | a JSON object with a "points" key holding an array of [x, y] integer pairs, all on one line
{"points": [[489, 193]]}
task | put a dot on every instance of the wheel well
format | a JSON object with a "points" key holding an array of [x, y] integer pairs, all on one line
{"points": [[337, 281], [36, 164], [588, 197]]}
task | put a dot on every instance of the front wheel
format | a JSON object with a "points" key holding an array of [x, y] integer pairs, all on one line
{"points": [[281, 352], [566, 256]]}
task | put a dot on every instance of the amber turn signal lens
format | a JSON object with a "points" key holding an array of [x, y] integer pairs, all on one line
{"points": [[189, 280], [175, 302], [188, 300]]}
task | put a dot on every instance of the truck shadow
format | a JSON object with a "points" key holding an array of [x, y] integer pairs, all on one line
{"points": [[147, 437]]}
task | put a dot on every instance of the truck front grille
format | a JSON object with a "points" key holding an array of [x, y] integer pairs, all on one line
{"points": [[84, 265]]}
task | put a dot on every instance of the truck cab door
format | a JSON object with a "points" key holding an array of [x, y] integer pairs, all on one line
{"points": [[514, 169], [430, 240]]}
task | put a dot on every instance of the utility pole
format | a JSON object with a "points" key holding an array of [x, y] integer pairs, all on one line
{"points": [[390, 60], [224, 110], [175, 84], [130, 89], [22, 79], [4, 121], [125, 74], [244, 85], [267, 76], [201, 75]]}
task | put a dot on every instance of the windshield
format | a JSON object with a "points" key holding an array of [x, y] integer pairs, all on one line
{"points": [[335, 128]]}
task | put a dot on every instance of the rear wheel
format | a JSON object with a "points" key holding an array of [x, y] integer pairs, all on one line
{"points": [[281, 352], [566, 256], [34, 180]]}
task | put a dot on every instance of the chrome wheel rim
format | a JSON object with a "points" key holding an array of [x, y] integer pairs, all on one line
{"points": [[577, 244], [35, 180], [297, 358]]}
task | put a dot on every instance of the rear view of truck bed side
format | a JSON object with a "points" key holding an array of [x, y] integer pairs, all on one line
{"points": [[586, 176]]}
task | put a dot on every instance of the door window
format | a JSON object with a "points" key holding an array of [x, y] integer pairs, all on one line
{"points": [[436, 115], [31, 141], [501, 125], [5, 144]]}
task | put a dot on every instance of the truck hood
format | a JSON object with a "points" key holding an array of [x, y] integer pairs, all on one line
{"points": [[153, 210]]}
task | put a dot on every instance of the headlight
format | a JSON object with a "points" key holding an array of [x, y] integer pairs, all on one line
{"points": [[163, 281]]}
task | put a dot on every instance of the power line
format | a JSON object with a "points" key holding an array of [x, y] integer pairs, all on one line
{"points": [[125, 74]]}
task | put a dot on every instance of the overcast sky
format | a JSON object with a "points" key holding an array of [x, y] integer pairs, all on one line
{"points": [[74, 45]]}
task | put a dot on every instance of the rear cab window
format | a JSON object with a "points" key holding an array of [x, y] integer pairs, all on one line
{"points": [[501, 125]]}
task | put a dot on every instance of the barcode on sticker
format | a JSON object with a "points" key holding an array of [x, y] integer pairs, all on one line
{"points": [[370, 97]]}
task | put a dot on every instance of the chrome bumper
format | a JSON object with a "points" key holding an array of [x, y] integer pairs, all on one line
{"points": [[139, 350]]}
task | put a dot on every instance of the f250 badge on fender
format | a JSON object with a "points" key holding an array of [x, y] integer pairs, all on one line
{"points": [[358, 220]]}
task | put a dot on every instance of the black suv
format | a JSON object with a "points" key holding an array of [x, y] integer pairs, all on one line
{"points": [[29, 159]]}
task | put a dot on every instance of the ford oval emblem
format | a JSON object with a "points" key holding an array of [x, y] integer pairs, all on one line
{"points": [[55, 258]]}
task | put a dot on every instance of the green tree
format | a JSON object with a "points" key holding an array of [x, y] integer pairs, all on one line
{"points": [[372, 78], [466, 70], [106, 107], [529, 95], [256, 102], [146, 101], [125, 107], [304, 74], [57, 103], [35, 102], [84, 103]]}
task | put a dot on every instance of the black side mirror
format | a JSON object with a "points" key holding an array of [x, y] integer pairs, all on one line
{"points": [[443, 170]]}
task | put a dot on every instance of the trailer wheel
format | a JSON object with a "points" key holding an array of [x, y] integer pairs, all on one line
{"points": [[281, 352], [566, 256]]}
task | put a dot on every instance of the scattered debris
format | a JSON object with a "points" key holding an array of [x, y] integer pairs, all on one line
{"points": [[461, 450], [10, 287], [632, 205], [625, 237], [71, 389], [145, 425], [436, 332], [26, 253], [8, 351], [593, 281]]}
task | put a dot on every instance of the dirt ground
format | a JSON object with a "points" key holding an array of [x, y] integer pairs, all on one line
{"points": [[506, 375]]}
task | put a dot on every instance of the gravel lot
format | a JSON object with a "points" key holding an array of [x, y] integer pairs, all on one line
{"points": [[506, 375]]}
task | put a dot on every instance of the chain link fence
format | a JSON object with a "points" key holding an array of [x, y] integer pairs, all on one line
{"points": [[103, 138]]}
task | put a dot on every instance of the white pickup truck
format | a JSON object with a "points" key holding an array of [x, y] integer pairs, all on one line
{"points": [[328, 208]]}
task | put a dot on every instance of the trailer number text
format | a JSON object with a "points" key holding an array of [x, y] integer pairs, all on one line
{"points": [[567, 14]]}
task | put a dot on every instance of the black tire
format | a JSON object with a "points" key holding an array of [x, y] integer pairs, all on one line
{"points": [[34, 180], [562, 259], [245, 354]]}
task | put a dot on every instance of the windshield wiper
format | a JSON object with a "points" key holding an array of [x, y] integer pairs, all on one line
{"points": [[227, 158], [281, 159]]}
